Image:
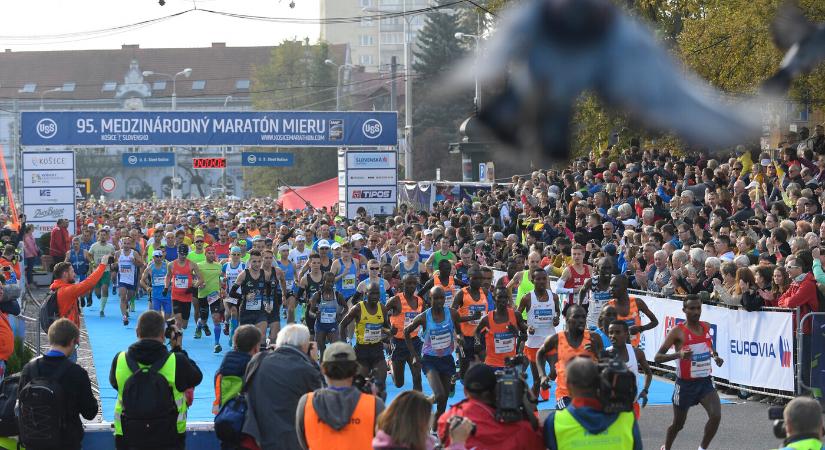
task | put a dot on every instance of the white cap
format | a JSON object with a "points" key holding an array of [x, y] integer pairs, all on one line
{"points": [[283, 247], [356, 237], [428, 232], [323, 243], [630, 222], [335, 245], [300, 237]]}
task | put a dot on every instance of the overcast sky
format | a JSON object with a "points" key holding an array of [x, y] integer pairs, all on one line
{"points": [[27, 22]]}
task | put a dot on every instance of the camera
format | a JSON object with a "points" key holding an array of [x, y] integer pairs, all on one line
{"points": [[171, 330], [617, 386], [511, 390], [776, 415], [363, 384]]}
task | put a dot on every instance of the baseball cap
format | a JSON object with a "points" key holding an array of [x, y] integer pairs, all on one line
{"points": [[323, 243], [428, 232], [157, 253], [233, 234], [479, 378], [183, 249], [283, 247], [335, 245], [339, 351], [630, 222], [356, 237], [300, 237]]}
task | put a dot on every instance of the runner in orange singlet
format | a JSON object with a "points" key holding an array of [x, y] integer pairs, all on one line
{"points": [[628, 309]]}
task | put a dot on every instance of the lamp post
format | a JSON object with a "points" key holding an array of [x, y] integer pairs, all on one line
{"points": [[47, 92], [477, 38], [338, 86], [223, 175], [186, 73]]}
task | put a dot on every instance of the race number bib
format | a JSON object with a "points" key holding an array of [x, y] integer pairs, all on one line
{"points": [[212, 297], [448, 298], [441, 340], [700, 364], [181, 282], [372, 333], [504, 342], [253, 302], [408, 318], [158, 281], [348, 282], [544, 316], [289, 284], [328, 314], [474, 309]]}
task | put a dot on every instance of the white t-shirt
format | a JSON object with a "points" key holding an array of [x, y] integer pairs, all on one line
{"points": [[299, 258]]}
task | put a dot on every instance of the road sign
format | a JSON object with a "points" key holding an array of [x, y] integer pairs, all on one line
{"points": [[263, 159], [108, 185]]}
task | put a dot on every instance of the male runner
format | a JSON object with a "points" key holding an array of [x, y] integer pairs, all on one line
{"points": [[300, 254], [182, 276], [309, 285], [326, 306], [443, 252], [197, 255], [371, 326], [573, 276], [287, 268], [443, 279], [154, 281], [374, 269], [127, 266], [574, 341], [694, 351], [628, 309], [632, 356], [253, 291], [346, 272], [543, 312], [99, 251], [278, 289], [522, 281], [403, 308], [500, 330], [596, 292], [471, 304], [209, 294], [408, 264], [229, 273], [222, 247]]}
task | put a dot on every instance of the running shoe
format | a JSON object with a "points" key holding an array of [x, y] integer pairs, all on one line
{"points": [[125, 320], [206, 330], [198, 332], [218, 348]]}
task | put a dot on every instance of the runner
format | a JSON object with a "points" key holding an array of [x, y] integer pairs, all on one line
{"points": [[326, 307], [694, 351], [222, 247], [632, 356], [374, 276], [198, 254], [564, 346], [287, 268], [182, 276], [229, 273], [127, 265], [542, 308], [471, 304], [442, 336], [522, 280], [500, 330], [444, 252], [426, 247], [408, 263], [79, 259], [346, 277], [300, 254], [99, 250], [309, 285], [154, 282], [595, 293], [573, 276], [403, 308], [371, 327], [442, 279], [628, 309], [278, 289], [253, 291], [209, 294]]}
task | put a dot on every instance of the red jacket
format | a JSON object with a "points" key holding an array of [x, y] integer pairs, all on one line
{"points": [[491, 434], [68, 293], [59, 242], [801, 294]]}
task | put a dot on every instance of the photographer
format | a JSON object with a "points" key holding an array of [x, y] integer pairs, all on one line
{"points": [[340, 416], [147, 416], [584, 424], [68, 291], [480, 408], [802, 424]]}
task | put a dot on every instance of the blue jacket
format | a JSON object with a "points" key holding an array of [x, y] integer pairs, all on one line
{"points": [[593, 420]]}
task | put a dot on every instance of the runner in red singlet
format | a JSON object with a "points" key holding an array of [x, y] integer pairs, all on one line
{"points": [[573, 276]]}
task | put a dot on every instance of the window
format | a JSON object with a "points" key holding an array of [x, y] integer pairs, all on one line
{"points": [[366, 40], [159, 85], [366, 22], [198, 85], [28, 88], [109, 86], [242, 84], [392, 38], [365, 60], [68, 87], [365, 3], [391, 21]]}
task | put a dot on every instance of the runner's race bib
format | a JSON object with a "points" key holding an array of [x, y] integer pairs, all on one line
{"points": [[441, 340], [474, 309], [544, 316], [253, 302], [181, 282], [448, 298], [408, 318], [700, 364], [158, 281], [504, 342], [348, 282], [212, 297], [328, 314], [372, 333]]}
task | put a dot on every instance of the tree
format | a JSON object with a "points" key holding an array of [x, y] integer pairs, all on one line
{"points": [[296, 78]]}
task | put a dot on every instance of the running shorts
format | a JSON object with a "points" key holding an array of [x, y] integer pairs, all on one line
{"points": [[400, 352], [688, 393], [443, 365]]}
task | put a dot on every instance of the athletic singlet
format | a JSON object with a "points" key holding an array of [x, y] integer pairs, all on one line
{"points": [[540, 317], [468, 307], [698, 366], [566, 352], [158, 281], [438, 337], [222, 250], [181, 281], [230, 274], [289, 274], [325, 268], [576, 280], [406, 316], [500, 340], [79, 263], [253, 291], [312, 286], [449, 289], [596, 298], [403, 271], [632, 318], [126, 268], [423, 253], [368, 329], [348, 284], [525, 286], [438, 256]]}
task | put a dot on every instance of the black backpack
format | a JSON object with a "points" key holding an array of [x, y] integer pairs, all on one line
{"points": [[149, 414], [229, 420], [42, 408], [8, 399], [49, 311]]}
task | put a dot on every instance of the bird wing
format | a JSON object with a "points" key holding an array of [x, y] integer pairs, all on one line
{"points": [[640, 77]]}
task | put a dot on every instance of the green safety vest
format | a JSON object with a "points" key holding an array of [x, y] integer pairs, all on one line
{"points": [[122, 373], [524, 287], [570, 434], [804, 444]]}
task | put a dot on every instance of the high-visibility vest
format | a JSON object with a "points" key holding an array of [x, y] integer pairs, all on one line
{"points": [[122, 373], [805, 444], [357, 435], [570, 434]]}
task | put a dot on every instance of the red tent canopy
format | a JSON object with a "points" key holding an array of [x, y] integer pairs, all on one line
{"points": [[318, 195]]}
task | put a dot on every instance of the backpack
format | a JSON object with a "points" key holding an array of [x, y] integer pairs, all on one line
{"points": [[8, 398], [149, 415], [49, 311], [42, 408], [230, 418]]}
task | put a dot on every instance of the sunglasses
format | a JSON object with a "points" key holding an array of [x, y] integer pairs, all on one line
{"points": [[373, 268]]}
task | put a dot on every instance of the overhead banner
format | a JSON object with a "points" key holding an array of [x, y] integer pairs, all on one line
{"points": [[264, 159], [367, 179], [757, 347], [160, 159], [210, 128], [48, 190]]}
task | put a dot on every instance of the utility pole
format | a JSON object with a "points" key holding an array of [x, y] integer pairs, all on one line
{"points": [[393, 75], [408, 108]]}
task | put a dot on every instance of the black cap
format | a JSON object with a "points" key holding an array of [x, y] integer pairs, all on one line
{"points": [[480, 378], [183, 249]]}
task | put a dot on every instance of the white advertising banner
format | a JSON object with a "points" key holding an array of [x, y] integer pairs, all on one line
{"points": [[368, 179], [49, 189], [757, 347]]}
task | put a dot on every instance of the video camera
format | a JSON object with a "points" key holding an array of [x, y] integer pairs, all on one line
{"points": [[171, 331], [776, 415], [364, 384], [617, 386], [511, 391]]}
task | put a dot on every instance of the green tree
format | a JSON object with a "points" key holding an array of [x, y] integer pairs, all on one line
{"points": [[296, 78]]}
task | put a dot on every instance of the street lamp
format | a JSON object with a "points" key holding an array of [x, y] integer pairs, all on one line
{"points": [[223, 175], [338, 87], [185, 72], [461, 36], [44, 93]]}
